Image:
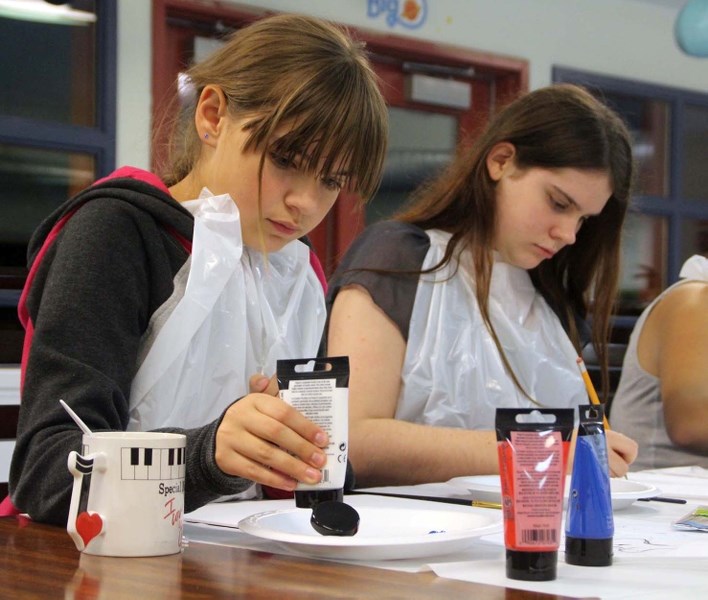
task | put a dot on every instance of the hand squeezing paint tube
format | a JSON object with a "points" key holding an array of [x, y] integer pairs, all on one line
{"points": [[533, 446], [319, 389], [589, 521]]}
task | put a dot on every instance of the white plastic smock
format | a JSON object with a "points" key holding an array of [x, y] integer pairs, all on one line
{"points": [[453, 375], [695, 268], [236, 318]]}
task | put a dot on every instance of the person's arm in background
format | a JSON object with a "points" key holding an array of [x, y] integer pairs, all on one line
{"points": [[383, 450], [674, 347]]}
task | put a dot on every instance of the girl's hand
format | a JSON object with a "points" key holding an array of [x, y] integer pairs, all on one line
{"points": [[264, 439], [621, 452]]}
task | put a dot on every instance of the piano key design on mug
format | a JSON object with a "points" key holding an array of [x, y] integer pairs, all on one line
{"points": [[152, 463], [142, 463]]}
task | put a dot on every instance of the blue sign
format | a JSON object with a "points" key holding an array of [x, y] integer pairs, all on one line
{"points": [[410, 14]]}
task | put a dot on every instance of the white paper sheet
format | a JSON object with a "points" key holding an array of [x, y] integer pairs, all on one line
{"points": [[652, 559]]}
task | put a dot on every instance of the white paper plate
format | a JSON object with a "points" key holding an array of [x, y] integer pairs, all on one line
{"points": [[624, 492], [385, 533]]}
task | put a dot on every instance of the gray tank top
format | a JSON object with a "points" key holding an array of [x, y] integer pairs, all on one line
{"points": [[637, 410]]}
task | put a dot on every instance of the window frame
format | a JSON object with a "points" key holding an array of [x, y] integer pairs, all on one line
{"points": [[673, 206], [99, 141]]}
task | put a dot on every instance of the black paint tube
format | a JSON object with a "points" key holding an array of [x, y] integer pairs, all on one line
{"points": [[319, 389]]}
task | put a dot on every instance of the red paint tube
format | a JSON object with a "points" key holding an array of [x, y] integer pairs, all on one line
{"points": [[533, 446]]}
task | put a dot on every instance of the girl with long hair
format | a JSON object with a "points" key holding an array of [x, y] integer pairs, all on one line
{"points": [[476, 296]]}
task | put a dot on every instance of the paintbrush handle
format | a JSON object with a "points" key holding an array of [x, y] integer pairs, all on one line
{"points": [[664, 499], [592, 394], [459, 501]]}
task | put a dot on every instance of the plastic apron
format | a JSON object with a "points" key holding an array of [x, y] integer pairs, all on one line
{"points": [[453, 375], [695, 268], [236, 318]]}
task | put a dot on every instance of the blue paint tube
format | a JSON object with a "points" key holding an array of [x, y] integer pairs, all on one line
{"points": [[589, 522]]}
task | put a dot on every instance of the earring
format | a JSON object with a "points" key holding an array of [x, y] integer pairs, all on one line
{"points": [[206, 136]]}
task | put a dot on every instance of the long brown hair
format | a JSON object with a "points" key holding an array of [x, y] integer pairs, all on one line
{"points": [[297, 70], [559, 126]]}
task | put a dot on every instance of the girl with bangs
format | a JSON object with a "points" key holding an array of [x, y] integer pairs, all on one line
{"points": [[119, 274]]}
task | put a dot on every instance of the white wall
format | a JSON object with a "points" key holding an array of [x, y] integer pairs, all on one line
{"points": [[632, 39], [134, 102]]}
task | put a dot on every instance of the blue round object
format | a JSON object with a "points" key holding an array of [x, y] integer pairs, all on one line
{"points": [[691, 29]]}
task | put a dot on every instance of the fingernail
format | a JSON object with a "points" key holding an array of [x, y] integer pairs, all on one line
{"points": [[320, 439], [312, 475], [318, 459]]}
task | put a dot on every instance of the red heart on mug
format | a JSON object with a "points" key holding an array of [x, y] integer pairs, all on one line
{"points": [[88, 526]]}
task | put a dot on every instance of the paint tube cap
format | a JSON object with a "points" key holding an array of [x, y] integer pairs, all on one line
{"points": [[334, 518], [588, 552], [311, 498], [531, 566]]}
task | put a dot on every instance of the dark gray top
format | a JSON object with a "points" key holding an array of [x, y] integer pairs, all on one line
{"points": [[96, 280], [385, 259]]}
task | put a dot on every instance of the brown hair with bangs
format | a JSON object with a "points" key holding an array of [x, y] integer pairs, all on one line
{"points": [[303, 72], [559, 126]]}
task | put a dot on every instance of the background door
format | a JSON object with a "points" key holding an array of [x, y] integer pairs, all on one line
{"points": [[437, 95]]}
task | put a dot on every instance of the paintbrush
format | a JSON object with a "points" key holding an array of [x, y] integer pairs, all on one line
{"points": [[459, 501], [591, 388]]}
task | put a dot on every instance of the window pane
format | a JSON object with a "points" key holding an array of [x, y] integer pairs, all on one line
{"points": [[694, 171], [694, 238], [643, 262], [34, 183], [420, 144], [48, 70], [648, 121]]}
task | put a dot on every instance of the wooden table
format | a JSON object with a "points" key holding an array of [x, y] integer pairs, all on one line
{"points": [[40, 561]]}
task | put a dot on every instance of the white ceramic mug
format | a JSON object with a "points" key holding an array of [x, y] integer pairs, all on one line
{"points": [[128, 494]]}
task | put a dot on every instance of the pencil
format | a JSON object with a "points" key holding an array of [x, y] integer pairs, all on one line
{"points": [[590, 388], [460, 501]]}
